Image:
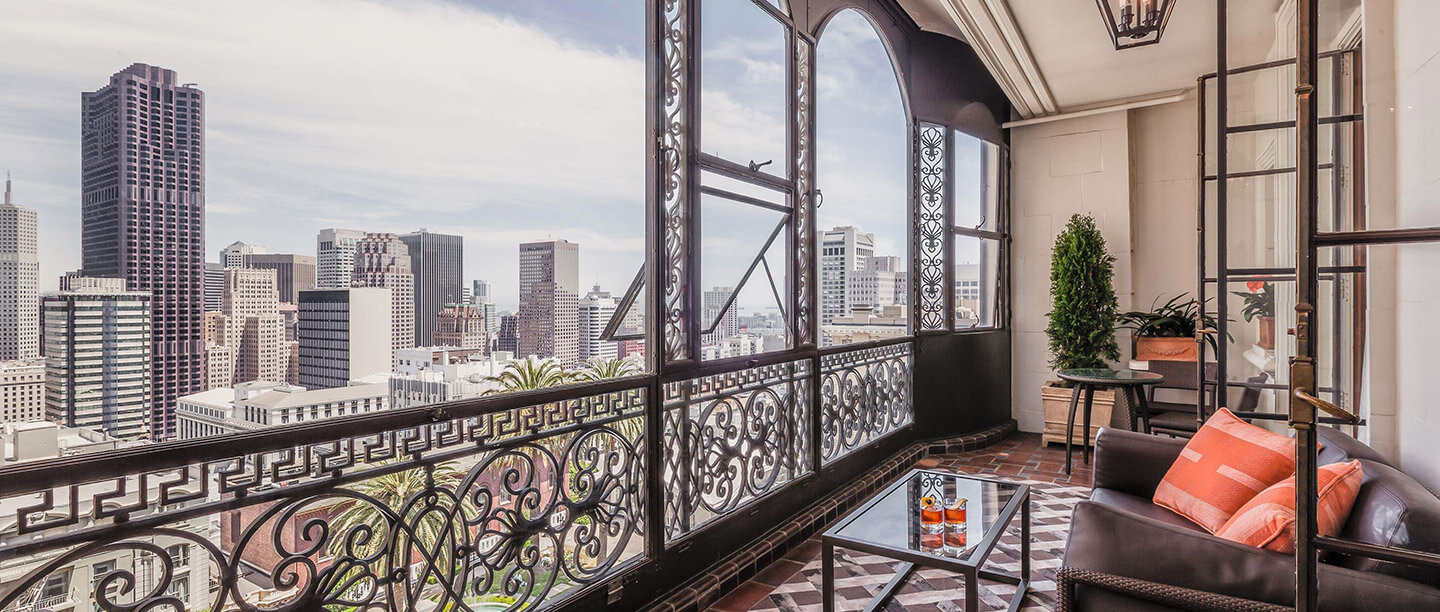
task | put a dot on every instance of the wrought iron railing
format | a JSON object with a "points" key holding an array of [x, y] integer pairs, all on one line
{"points": [[519, 501]]}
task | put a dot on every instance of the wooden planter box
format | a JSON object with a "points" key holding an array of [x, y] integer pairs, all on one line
{"points": [[1149, 348], [1057, 405]]}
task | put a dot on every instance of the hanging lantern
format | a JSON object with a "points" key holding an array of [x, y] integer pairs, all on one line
{"points": [[1135, 23]]}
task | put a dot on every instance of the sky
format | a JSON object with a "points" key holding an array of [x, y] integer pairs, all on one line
{"points": [[503, 121]]}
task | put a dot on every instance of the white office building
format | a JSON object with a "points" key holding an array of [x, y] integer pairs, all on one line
{"points": [[22, 391], [259, 404], [434, 374], [596, 310], [343, 335], [97, 357], [335, 257], [844, 253], [19, 281]]}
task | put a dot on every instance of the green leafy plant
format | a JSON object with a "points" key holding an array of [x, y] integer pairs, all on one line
{"points": [[1173, 319], [1259, 300], [602, 368], [1083, 314], [530, 374]]}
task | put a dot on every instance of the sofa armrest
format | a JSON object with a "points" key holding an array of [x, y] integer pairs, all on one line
{"points": [[1111, 541], [1114, 542], [1132, 462]]}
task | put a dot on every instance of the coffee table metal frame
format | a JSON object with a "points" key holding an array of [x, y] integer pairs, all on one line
{"points": [[969, 565]]}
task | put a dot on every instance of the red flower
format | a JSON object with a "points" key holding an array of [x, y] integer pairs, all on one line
{"points": [[1255, 286]]}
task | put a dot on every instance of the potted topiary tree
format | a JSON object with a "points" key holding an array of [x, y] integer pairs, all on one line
{"points": [[1082, 322]]}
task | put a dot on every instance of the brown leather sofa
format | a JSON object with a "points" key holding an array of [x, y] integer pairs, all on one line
{"points": [[1126, 553]]}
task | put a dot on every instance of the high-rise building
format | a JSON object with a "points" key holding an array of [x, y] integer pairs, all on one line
{"points": [[480, 294], [338, 342], [335, 257], [22, 391], [548, 324], [463, 326], [233, 256], [596, 310], [729, 325], [293, 273], [97, 358], [437, 263], [214, 286], [382, 260], [882, 282], [254, 330], [844, 252], [143, 216], [19, 281], [507, 339]]}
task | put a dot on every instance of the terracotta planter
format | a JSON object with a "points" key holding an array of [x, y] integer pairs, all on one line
{"points": [[1149, 348], [1056, 400], [1267, 333]]}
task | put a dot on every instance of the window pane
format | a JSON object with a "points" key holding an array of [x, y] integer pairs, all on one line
{"points": [[743, 94], [977, 281], [976, 181], [329, 219], [736, 261], [863, 146]]}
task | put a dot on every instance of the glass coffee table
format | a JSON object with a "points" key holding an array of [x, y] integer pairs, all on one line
{"points": [[888, 524]]}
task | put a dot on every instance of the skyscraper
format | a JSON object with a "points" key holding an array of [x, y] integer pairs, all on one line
{"points": [[381, 260], [480, 294], [844, 252], [337, 335], [292, 272], [335, 257], [253, 331], [19, 281], [437, 263], [507, 337], [549, 300], [480, 291], [97, 352], [729, 325], [462, 325], [143, 216], [214, 286], [233, 256], [595, 312]]}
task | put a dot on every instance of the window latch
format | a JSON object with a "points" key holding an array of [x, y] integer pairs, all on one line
{"points": [[754, 167]]}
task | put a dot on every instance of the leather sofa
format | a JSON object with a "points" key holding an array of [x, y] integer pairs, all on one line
{"points": [[1126, 553]]}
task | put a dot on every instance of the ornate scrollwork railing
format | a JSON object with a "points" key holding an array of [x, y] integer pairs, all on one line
{"points": [[864, 395], [514, 506], [730, 439]]}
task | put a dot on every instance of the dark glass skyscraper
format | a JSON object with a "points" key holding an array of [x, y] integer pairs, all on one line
{"points": [[143, 216], [438, 263]]}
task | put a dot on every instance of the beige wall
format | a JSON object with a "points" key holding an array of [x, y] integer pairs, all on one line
{"points": [[1162, 200], [1058, 169]]}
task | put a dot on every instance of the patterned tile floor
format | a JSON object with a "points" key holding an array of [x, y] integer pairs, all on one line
{"points": [[792, 584]]}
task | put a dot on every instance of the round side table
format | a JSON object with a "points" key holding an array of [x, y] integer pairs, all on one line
{"points": [[1131, 382]]}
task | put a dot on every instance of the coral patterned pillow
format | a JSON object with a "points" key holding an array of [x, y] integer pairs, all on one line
{"points": [[1268, 521], [1227, 463]]}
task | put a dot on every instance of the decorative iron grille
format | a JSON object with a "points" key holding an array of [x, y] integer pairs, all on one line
{"points": [[732, 438], [804, 203], [931, 227], [675, 108], [517, 506], [864, 396]]}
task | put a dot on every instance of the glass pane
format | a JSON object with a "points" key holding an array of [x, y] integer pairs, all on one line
{"points": [[863, 146], [353, 213], [736, 261], [977, 281], [893, 521], [976, 180], [743, 94]]}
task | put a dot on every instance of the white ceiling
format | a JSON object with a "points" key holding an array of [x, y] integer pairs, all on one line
{"points": [[1066, 42]]}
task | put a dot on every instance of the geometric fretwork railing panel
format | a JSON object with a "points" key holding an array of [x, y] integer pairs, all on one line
{"points": [[931, 228], [730, 439], [516, 507], [864, 396]]}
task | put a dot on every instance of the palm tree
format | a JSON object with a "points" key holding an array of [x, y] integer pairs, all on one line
{"points": [[391, 491], [530, 374], [601, 368]]}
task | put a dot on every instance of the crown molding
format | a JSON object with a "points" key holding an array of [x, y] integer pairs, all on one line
{"points": [[990, 29]]}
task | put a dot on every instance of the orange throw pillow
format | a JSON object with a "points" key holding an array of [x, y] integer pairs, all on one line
{"points": [[1227, 463], [1268, 521]]}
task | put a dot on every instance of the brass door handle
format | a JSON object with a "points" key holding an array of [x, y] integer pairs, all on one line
{"points": [[1327, 407]]}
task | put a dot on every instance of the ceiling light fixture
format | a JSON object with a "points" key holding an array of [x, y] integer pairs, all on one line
{"points": [[1140, 23]]}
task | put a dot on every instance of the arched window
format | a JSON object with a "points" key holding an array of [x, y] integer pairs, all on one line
{"points": [[862, 143]]}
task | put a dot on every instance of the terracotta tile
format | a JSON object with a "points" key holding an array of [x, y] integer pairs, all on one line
{"points": [[742, 598]]}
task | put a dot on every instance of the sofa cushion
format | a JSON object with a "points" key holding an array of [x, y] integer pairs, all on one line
{"points": [[1227, 463], [1268, 520], [1336, 446], [1142, 506], [1393, 510]]}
